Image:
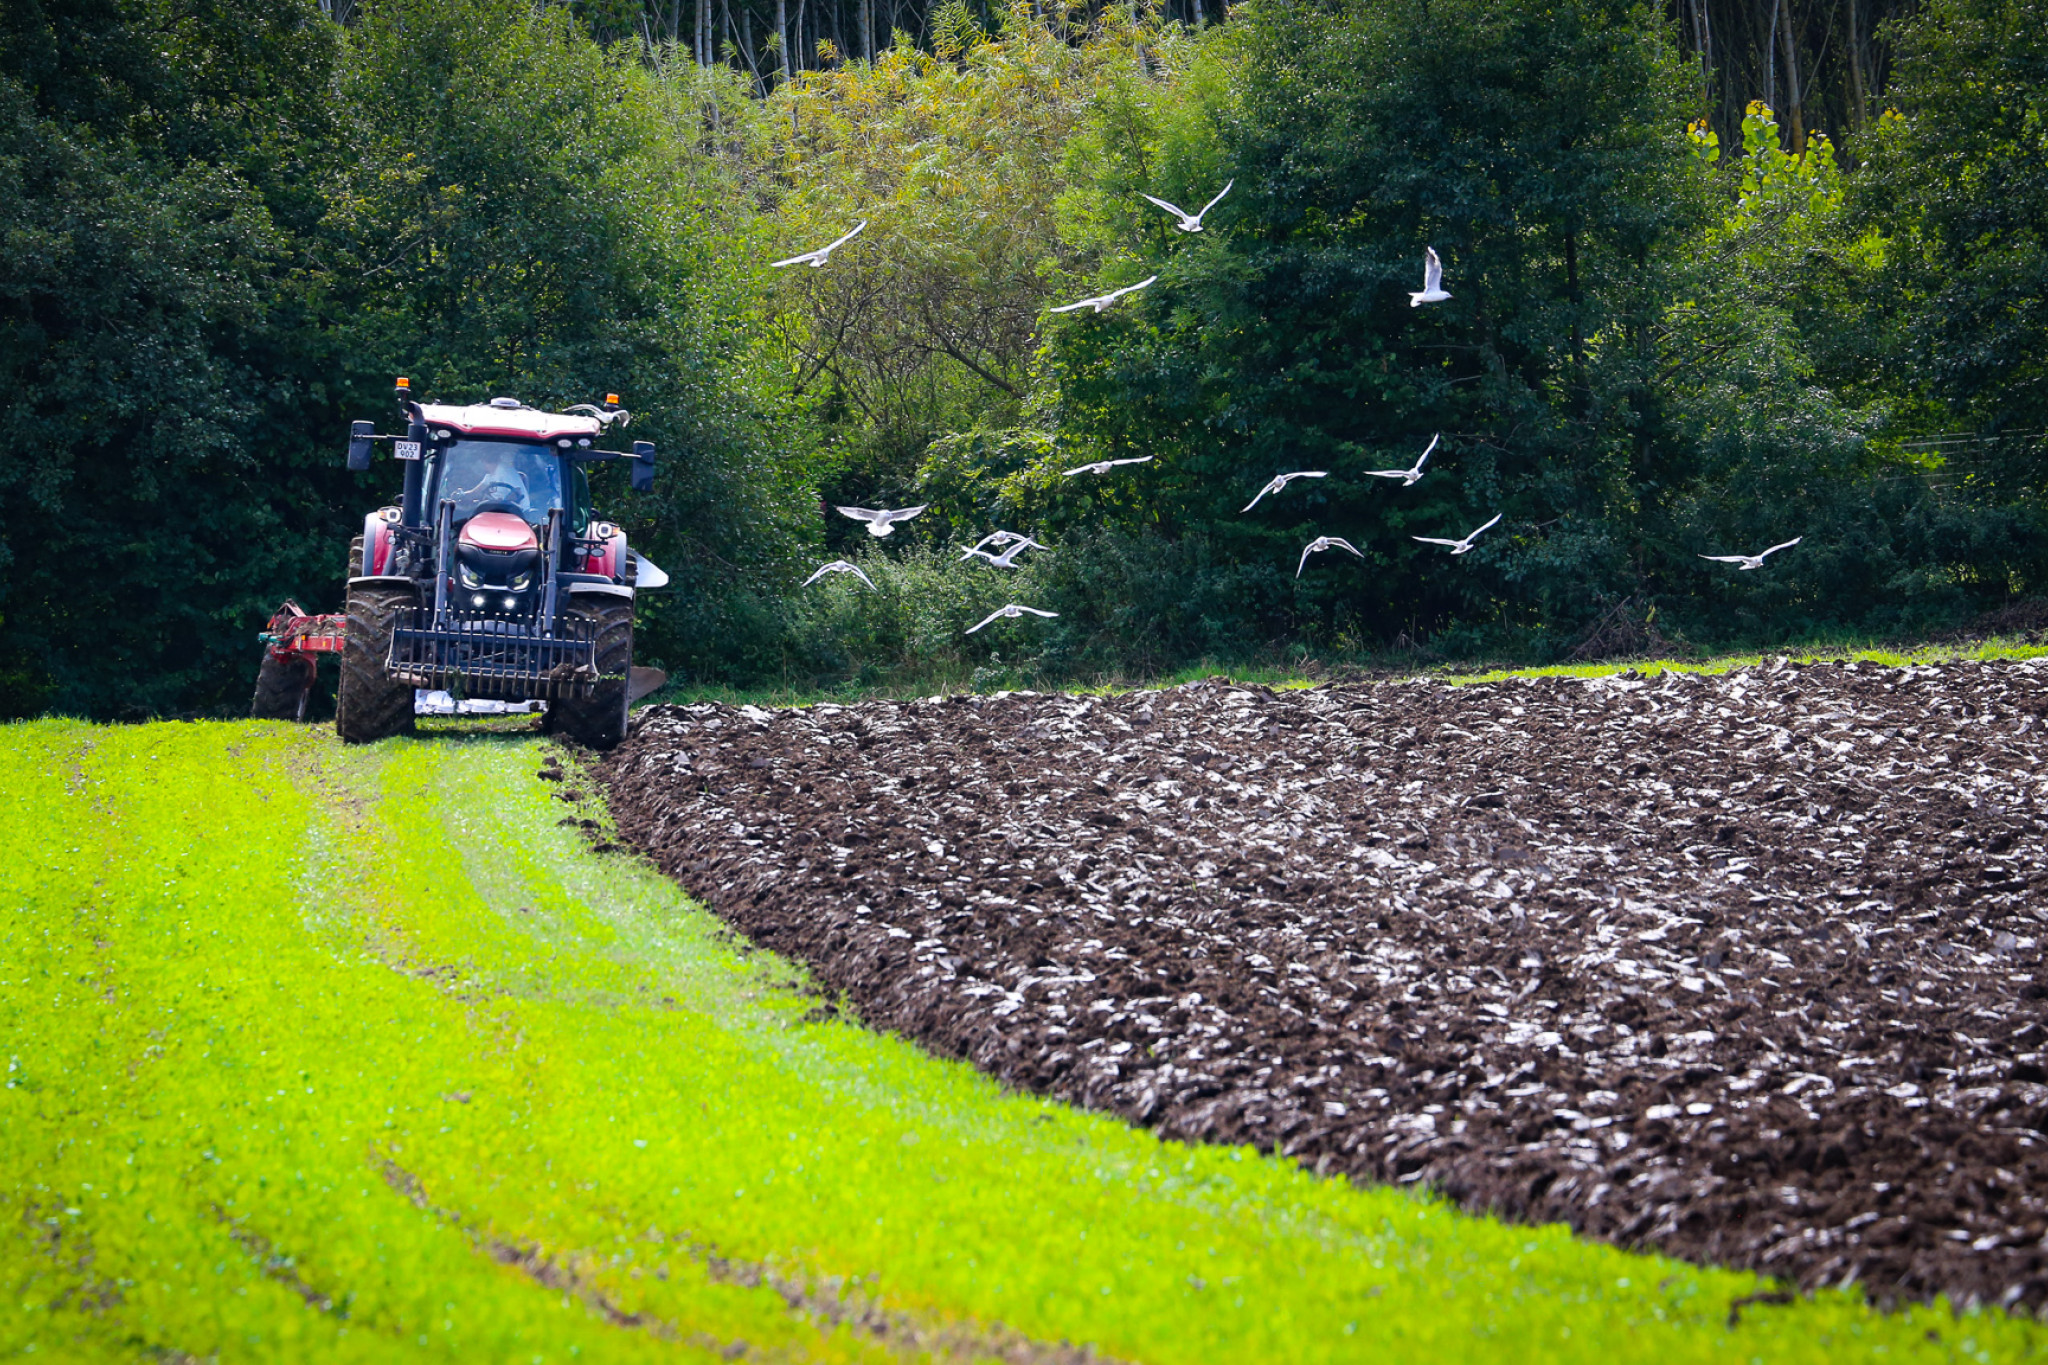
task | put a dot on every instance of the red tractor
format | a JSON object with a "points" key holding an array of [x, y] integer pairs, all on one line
{"points": [[491, 580]]}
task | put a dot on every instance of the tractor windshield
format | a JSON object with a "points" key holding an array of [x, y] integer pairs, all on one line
{"points": [[500, 476]]}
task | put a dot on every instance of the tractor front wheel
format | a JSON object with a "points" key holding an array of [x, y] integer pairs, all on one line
{"points": [[599, 720], [368, 705]]}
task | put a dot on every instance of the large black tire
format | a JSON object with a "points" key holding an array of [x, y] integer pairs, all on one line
{"points": [[599, 721], [368, 705], [355, 558], [283, 687]]}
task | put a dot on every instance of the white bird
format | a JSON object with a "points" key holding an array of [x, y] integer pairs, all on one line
{"points": [[999, 539], [1321, 543], [1458, 547], [1102, 301], [1192, 222], [881, 521], [1104, 466], [1407, 476], [1281, 481], [1011, 610], [1007, 559], [839, 566], [817, 258], [1753, 561], [1432, 280]]}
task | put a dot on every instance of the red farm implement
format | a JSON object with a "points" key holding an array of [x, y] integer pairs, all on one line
{"points": [[292, 645]]}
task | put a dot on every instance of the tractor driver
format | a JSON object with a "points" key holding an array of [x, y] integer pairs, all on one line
{"points": [[521, 475]]}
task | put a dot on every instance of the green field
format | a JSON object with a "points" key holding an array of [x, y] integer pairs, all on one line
{"points": [[317, 1054]]}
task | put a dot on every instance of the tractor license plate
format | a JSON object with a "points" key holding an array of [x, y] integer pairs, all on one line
{"points": [[405, 450]]}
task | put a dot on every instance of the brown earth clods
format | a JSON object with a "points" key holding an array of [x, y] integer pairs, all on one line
{"points": [[1744, 968]]}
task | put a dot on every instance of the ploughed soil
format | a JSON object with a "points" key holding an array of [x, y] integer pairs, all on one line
{"points": [[1743, 968]]}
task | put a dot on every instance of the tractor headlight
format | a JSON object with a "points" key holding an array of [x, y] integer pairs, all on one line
{"points": [[520, 580], [469, 577]]}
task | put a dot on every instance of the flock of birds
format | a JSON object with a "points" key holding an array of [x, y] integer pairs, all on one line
{"points": [[1007, 545]]}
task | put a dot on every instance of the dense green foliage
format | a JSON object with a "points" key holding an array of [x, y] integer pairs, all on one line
{"points": [[323, 1054], [228, 228]]}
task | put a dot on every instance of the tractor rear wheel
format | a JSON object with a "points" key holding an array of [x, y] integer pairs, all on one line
{"points": [[599, 720], [283, 686], [355, 558], [368, 705]]}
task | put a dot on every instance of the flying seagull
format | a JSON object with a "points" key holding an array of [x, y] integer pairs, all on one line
{"points": [[1432, 280], [1000, 539], [1407, 476], [1104, 466], [1192, 222], [1458, 547], [1321, 543], [818, 257], [1281, 481], [1008, 558], [1102, 301], [1011, 610], [1753, 561], [839, 566], [881, 522]]}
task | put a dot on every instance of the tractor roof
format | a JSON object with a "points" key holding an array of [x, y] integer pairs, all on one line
{"points": [[506, 418]]}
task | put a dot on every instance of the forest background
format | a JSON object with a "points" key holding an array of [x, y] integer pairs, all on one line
{"points": [[1721, 274]]}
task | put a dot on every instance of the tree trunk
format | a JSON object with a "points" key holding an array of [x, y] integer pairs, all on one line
{"points": [[1771, 56], [1859, 93], [1793, 94], [782, 36], [747, 38]]}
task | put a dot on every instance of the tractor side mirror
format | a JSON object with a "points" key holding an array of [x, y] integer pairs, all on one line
{"points": [[359, 434], [643, 466]]}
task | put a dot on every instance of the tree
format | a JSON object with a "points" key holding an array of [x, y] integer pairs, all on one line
{"points": [[1539, 148], [1959, 177]]}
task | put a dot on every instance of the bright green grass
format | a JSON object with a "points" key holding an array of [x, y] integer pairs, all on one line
{"points": [[317, 1054]]}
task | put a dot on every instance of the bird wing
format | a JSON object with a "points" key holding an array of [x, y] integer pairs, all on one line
{"points": [[1389, 473], [843, 240], [1425, 454], [1084, 303], [1130, 288], [855, 571], [1786, 546], [1304, 559], [1217, 200], [1084, 469], [1036, 612], [902, 513], [992, 616], [1338, 544], [1437, 540], [1138, 459], [860, 513], [977, 551], [1173, 209], [818, 575], [1255, 501], [1726, 559], [1432, 271], [1475, 534], [793, 260], [1310, 474]]}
